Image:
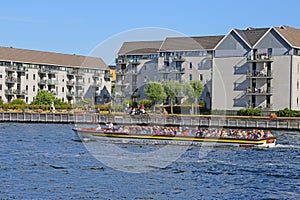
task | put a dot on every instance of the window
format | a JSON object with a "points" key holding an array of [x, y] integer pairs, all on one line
{"points": [[191, 65], [26, 87], [191, 77], [33, 88], [0, 75], [89, 80], [298, 85], [26, 76], [201, 77], [33, 76], [26, 99], [0, 86], [63, 89]]}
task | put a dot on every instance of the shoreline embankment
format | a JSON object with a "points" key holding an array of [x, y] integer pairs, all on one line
{"points": [[160, 120]]}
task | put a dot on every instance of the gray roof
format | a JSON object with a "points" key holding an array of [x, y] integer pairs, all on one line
{"points": [[139, 47], [252, 35], [190, 43], [49, 58]]}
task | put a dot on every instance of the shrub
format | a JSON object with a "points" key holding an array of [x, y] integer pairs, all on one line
{"points": [[250, 112], [18, 101], [288, 113], [147, 103]]}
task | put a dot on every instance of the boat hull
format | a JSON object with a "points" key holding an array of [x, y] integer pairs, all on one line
{"points": [[92, 133]]}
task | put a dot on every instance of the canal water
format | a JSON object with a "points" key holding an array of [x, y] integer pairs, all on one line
{"points": [[47, 161]]}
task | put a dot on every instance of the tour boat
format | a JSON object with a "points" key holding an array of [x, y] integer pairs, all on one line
{"points": [[137, 138]]}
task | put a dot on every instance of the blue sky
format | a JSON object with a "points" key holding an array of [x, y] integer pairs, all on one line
{"points": [[78, 27]]}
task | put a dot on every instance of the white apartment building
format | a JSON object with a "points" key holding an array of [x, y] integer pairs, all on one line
{"points": [[23, 73]]}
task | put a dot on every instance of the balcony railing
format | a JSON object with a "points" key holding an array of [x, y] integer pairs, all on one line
{"points": [[52, 82], [263, 57], [9, 92], [259, 91], [10, 69], [10, 80], [260, 74], [170, 70], [42, 82], [70, 83], [21, 92], [178, 59]]}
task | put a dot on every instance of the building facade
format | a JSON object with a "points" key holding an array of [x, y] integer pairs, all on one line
{"points": [[23, 73], [251, 68], [257, 68]]}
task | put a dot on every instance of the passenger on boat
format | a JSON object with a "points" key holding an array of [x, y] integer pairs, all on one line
{"points": [[99, 127], [110, 126]]}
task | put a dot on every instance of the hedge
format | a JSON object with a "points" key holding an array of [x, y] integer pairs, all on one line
{"points": [[250, 112]]}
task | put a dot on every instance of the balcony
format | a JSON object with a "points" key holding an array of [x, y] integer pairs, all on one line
{"points": [[79, 83], [178, 59], [21, 69], [134, 61], [52, 82], [42, 72], [10, 69], [170, 70], [10, 80], [259, 91], [42, 82], [9, 92], [263, 57], [260, 75], [20, 92], [70, 94], [70, 83], [122, 61]]}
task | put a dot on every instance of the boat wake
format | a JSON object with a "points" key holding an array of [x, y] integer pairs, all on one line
{"points": [[288, 146]]}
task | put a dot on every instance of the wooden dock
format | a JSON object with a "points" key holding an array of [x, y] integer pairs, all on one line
{"points": [[189, 121]]}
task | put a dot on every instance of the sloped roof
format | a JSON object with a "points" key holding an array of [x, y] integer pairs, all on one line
{"points": [[50, 58], [252, 35], [190, 43], [292, 35], [139, 47]]}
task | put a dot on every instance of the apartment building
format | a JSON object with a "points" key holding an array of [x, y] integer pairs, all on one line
{"points": [[135, 66], [251, 68], [176, 58], [23, 73], [257, 68]]}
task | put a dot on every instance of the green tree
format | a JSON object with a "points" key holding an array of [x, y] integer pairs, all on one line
{"points": [[43, 98], [155, 92], [198, 88], [172, 89]]}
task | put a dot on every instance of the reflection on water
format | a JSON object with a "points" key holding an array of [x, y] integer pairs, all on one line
{"points": [[47, 160]]}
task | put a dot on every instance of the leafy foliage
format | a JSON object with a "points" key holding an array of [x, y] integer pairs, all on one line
{"points": [[197, 88], [43, 98], [288, 113], [146, 102], [18, 101], [155, 92], [250, 112]]}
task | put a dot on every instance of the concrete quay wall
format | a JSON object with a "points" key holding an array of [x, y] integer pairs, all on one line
{"points": [[189, 121]]}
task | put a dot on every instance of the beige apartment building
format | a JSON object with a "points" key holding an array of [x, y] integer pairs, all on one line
{"points": [[23, 73]]}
